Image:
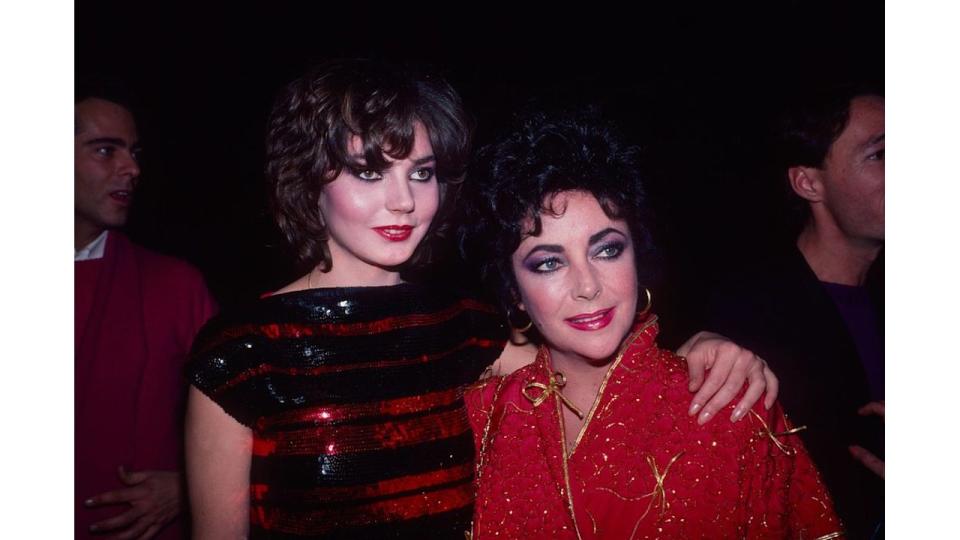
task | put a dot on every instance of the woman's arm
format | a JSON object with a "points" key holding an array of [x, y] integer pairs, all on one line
{"points": [[218, 452]]}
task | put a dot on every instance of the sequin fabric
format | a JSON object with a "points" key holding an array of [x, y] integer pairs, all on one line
{"points": [[355, 400], [642, 468]]}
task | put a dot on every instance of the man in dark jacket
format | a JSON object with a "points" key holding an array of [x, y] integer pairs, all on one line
{"points": [[815, 311]]}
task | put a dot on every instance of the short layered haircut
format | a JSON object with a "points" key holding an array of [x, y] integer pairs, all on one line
{"points": [[315, 117]]}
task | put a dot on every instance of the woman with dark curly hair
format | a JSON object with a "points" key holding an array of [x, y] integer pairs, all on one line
{"points": [[333, 407], [591, 440]]}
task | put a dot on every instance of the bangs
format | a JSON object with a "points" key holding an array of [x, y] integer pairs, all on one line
{"points": [[531, 224], [383, 123]]}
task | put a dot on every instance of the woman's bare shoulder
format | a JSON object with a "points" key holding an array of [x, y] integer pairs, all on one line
{"points": [[513, 357]]}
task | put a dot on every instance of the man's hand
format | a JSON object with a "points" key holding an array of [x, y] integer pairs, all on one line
{"points": [[726, 366], [861, 454], [154, 499]]}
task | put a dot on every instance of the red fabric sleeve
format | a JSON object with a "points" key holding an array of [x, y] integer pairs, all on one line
{"points": [[786, 497], [479, 402], [812, 514]]}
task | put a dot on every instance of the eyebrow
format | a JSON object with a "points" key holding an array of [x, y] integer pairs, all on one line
{"points": [[599, 236], [425, 159], [107, 140], [554, 248], [876, 139], [549, 248], [357, 160]]}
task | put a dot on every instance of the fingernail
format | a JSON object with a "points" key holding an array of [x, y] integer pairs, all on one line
{"points": [[703, 418], [737, 415], [693, 409], [88, 502]]}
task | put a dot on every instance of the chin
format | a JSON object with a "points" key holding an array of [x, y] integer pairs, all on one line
{"points": [[597, 347], [393, 260], [611, 347], [607, 351], [598, 352], [400, 253], [115, 223]]}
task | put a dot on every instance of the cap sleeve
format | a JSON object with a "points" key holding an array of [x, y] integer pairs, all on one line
{"points": [[226, 365]]}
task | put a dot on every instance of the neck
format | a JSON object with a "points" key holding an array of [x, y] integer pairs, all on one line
{"points": [[581, 389], [84, 233], [317, 278], [348, 270], [352, 277], [835, 257]]}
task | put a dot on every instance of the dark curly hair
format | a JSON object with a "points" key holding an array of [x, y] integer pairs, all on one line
{"points": [[311, 125], [513, 178]]}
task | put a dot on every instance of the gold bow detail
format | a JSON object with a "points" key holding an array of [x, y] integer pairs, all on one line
{"points": [[788, 450], [555, 382], [658, 489]]}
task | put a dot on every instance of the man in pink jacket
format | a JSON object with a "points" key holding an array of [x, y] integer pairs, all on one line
{"points": [[136, 313]]}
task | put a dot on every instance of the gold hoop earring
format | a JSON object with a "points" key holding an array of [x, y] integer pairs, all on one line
{"points": [[526, 327], [646, 308]]}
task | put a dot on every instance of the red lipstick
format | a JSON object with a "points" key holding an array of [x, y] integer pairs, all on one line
{"points": [[395, 233], [590, 322]]}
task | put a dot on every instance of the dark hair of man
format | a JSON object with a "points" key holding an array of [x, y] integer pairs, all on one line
{"points": [[107, 88], [513, 178], [315, 117], [814, 122], [806, 130]]}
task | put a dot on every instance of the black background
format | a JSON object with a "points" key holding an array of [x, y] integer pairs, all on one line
{"points": [[695, 84]]}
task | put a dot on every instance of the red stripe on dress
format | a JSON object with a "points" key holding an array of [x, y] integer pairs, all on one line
{"points": [[263, 369], [379, 326], [322, 521], [324, 495], [333, 440], [325, 414]]}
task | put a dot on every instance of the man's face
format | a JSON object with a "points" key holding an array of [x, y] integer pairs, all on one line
{"points": [[105, 164], [853, 172]]}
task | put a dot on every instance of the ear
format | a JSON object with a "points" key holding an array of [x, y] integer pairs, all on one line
{"points": [[516, 299], [807, 182]]}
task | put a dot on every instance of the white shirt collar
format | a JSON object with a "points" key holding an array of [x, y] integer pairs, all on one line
{"points": [[93, 250]]}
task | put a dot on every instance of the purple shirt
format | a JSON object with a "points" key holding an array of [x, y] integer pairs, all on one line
{"points": [[860, 316]]}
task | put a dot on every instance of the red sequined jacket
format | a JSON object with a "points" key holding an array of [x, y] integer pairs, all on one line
{"points": [[641, 468]]}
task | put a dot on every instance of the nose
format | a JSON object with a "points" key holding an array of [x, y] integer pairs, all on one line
{"points": [[399, 197], [586, 285], [128, 166]]}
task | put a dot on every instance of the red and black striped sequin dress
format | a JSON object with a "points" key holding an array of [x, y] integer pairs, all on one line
{"points": [[354, 397]]}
